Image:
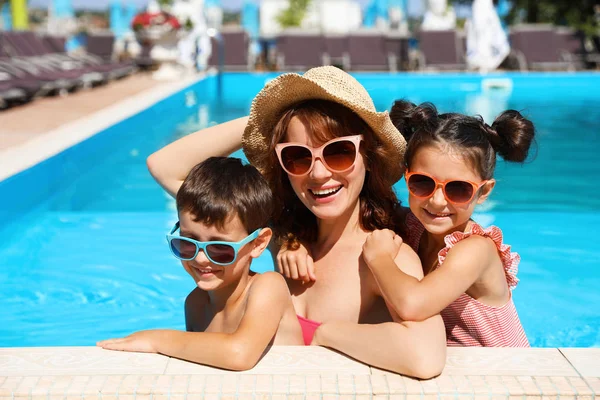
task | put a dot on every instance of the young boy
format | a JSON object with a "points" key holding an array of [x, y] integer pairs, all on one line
{"points": [[223, 209]]}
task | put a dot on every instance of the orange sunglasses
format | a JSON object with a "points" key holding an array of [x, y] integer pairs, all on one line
{"points": [[423, 186]]}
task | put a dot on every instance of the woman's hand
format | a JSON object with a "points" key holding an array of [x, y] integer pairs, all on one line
{"points": [[381, 243], [141, 342], [296, 264]]}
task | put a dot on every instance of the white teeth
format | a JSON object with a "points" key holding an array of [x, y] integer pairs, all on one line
{"points": [[324, 192], [205, 271]]}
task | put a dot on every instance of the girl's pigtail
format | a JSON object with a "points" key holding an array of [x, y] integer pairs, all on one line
{"points": [[511, 135], [409, 118]]}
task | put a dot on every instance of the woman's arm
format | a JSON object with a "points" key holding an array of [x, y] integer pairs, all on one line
{"points": [[416, 349], [416, 300], [410, 348], [170, 165], [240, 350]]}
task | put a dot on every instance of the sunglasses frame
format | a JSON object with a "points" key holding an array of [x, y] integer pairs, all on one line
{"points": [[317, 152], [438, 183], [202, 245]]}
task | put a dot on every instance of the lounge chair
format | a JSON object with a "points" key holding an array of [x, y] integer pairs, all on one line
{"points": [[538, 47], [336, 50], [300, 50], [396, 43], [367, 51], [10, 94], [54, 46], [236, 46], [440, 50], [27, 50], [572, 42]]}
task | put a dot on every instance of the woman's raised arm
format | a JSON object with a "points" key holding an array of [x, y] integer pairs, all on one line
{"points": [[170, 165]]}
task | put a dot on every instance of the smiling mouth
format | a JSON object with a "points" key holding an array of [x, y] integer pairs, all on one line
{"points": [[437, 215], [324, 193], [204, 271]]}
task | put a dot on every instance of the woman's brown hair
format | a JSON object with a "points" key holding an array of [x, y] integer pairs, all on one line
{"points": [[326, 120]]}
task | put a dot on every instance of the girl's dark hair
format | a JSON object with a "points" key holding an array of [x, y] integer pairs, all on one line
{"points": [[510, 135], [326, 120]]}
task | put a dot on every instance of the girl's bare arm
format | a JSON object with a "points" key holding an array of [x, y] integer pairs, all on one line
{"points": [[170, 165]]}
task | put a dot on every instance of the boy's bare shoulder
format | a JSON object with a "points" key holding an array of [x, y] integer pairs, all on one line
{"points": [[269, 284]]}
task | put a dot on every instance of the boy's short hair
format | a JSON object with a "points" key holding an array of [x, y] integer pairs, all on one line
{"points": [[219, 188]]}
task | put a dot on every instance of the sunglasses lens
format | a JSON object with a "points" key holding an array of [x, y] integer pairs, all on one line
{"points": [[221, 253], [183, 249], [459, 191], [340, 156], [421, 185], [296, 159]]}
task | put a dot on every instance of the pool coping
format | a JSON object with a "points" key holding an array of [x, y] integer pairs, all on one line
{"points": [[300, 372], [16, 159]]}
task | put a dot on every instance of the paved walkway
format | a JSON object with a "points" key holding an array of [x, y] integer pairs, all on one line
{"points": [[34, 132], [296, 373], [21, 123]]}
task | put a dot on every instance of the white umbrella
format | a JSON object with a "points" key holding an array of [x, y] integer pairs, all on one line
{"points": [[487, 44]]}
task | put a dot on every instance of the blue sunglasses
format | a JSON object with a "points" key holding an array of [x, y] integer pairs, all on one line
{"points": [[220, 253]]}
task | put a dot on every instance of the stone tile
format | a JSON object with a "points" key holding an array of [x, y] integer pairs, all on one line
{"points": [[36, 361], [445, 384], [9, 385], [362, 385], [507, 362], [594, 384], [345, 384], [246, 383], [512, 385], [397, 384], [411, 386], [313, 384], [197, 385], [379, 385], [581, 387], [42, 387], [282, 360], [585, 361], [530, 387], [462, 384], [180, 384]]}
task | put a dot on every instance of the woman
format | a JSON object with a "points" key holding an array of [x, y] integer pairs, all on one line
{"points": [[331, 161]]}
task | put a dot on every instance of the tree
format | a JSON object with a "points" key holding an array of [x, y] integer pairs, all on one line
{"points": [[578, 14], [294, 14]]}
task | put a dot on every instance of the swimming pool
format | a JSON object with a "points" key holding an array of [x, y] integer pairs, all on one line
{"points": [[83, 255]]}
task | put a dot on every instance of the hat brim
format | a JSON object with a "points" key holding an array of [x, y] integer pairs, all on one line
{"points": [[289, 89]]}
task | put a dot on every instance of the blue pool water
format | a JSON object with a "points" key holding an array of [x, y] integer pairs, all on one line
{"points": [[83, 255]]}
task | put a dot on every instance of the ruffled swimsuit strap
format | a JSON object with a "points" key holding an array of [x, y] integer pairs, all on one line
{"points": [[510, 260]]}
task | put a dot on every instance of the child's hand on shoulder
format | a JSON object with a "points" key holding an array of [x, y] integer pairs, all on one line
{"points": [[381, 243], [140, 342], [296, 264]]}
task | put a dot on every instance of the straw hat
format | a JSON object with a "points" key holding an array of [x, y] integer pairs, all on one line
{"points": [[323, 83]]}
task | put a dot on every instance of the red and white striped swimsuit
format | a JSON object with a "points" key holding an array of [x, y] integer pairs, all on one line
{"points": [[469, 322]]}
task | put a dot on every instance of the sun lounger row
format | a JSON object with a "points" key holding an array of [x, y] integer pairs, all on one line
{"points": [[301, 50], [31, 65], [533, 47], [536, 47]]}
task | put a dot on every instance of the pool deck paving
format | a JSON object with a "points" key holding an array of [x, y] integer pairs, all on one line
{"points": [[33, 132], [296, 372]]}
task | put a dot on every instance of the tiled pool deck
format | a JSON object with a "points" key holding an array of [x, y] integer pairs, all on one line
{"points": [[295, 373]]}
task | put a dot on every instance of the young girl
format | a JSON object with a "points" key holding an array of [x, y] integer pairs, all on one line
{"points": [[469, 272]]}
